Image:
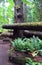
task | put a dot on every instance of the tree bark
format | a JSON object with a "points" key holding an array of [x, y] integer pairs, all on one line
{"points": [[18, 17], [18, 11], [30, 34]]}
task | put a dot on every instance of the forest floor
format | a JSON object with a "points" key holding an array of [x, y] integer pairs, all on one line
{"points": [[4, 47], [4, 53]]}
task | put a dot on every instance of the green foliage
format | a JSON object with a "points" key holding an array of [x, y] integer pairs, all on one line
{"points": [[28, 45], [26, 2], [34, 10], [10, 7], [38, 7], [32, 44], [6, 13], [1, 0], [2, 23], [30, 62]]}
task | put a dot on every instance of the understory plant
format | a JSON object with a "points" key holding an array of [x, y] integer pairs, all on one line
{"points": [[28, 45], [31, 62]]}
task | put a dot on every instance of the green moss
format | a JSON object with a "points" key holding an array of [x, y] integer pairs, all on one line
{"points": [[29, 24]]}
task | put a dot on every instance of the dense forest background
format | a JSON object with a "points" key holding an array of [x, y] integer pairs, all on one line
{"points": [[33, 11]]}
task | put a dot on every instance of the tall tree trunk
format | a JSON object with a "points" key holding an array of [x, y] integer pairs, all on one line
{"points": [[18, 15], [18, 11]]}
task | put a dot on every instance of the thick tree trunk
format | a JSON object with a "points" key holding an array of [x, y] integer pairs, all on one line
{"points": [[18, 11], [18, 16]]}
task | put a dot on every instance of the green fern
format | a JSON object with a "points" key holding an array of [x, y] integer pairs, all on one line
{"points": [[27, 44]]}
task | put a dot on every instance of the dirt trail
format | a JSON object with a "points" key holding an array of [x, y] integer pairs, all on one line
{"points": [[4, 54]]}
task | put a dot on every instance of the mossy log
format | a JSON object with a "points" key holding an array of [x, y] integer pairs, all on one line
{"points": [[7, 34], [37, 26], [31, 33]]}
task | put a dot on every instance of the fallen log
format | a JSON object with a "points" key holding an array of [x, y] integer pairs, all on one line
{"points": [[10, 35], [31, 33], [37, 26]]}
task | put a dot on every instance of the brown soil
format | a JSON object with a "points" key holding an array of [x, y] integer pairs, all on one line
{"points": [[20, 55], [38, 59], [4, 54]]}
